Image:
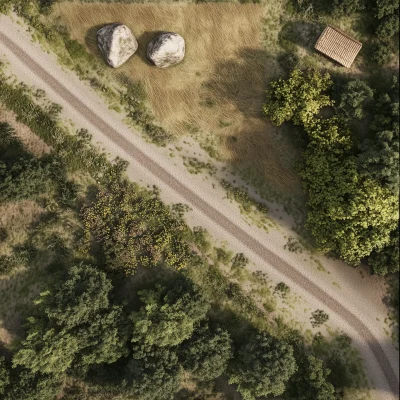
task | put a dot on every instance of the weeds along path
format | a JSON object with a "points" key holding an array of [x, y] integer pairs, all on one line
{"points": [[126, 146]]}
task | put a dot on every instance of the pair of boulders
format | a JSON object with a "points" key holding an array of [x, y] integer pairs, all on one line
{"points": [[118, 44]]}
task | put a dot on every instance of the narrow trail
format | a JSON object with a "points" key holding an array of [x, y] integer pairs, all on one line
{"points": [[208, 210]]}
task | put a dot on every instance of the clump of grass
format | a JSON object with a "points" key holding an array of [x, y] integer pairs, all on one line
{"points": [[242, 197], [293, 245], [282, 289], [239, 261], [318, 318], [196, 166]]}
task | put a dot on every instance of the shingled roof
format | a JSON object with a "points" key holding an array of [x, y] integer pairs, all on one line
{"points": [[337, 45]]}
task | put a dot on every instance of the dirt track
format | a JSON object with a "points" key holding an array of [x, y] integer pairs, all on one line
{"points": [[208, 210]]}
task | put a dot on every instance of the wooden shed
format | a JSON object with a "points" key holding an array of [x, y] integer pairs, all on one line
{"points": [[337, 45]]}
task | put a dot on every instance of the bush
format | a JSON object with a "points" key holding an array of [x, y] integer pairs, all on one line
{"points": [[24, 179], [355, 96], [262, 366], [318, 318]]}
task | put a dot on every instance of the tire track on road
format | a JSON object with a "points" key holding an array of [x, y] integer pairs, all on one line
{"points": [[209, 211]]}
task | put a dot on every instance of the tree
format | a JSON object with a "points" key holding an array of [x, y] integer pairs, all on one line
{"points": [[382, 51], [310, 381], [386, 260], [206, 354], [355, 96], [77, 326], [46, 350], [386, 7], [169, 315], [388, 27], [4, 375], [154, 372], [25, 178], [79, 298], [27, 385], [262, 366], [348, 212], [379, 153], [299, 98]]}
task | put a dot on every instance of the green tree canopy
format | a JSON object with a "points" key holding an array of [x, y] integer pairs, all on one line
{"points": [[27, 385], [298, 98], [4, 375], [154, 373], [355, 96], [206, 354], [262, 366], [169, 315], [386, 260], [379, 157], [77, 325], [310, 381], [349, 212]]}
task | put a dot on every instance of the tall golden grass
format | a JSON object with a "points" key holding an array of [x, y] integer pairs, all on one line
{"points": [[218, 89]]}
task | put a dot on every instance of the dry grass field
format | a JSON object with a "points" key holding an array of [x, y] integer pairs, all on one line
{"points": [[217, 92]]}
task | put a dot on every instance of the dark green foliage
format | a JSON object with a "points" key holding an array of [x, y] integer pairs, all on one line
{"points": [[354, 97], [4, 375], [348, 213], [24, 179], [310, 381], [21, 175], [387, 13], [386, 260], [10, 146], [318, 318], [135, 229], [298, 98], [379, 157], [340, 376], [169, 315], [348, 7], [26, 385], [382, 51], [282, 289], [154, 374], [77, 326], [206, 354], [262, 366], [239, 261], [386, 7], [388, 27]]}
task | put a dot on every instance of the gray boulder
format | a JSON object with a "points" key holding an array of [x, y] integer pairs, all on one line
{"points": [[117, 43], [166, 49]]}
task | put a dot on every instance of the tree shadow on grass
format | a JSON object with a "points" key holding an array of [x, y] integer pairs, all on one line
{"points": [[269, 152]]}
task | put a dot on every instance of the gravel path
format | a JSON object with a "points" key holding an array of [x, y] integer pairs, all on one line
{"points": [[198, 202]]}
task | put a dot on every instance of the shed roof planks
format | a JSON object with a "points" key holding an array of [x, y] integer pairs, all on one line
{"points": [[337, 45]]}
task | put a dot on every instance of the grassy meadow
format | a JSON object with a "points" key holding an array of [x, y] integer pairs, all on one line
{"points": [[216, 93]]}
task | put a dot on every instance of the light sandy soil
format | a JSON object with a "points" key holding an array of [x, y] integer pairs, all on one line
{"points": [[353, 302]]}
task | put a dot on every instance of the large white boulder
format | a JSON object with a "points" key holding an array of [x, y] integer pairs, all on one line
{"points": [[166, 49], [117, 43]]}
